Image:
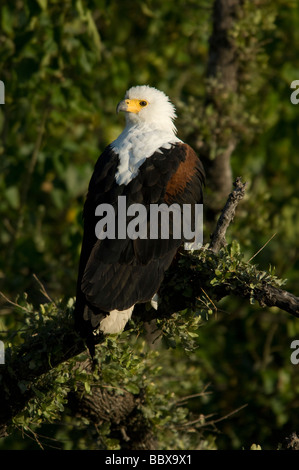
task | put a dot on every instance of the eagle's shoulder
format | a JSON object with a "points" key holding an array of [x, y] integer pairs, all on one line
{"points": [[102, 187]]}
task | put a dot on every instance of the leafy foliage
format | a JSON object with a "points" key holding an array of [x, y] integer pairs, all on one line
{"points": [[125, 364]]}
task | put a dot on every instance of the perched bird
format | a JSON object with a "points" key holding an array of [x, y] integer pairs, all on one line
{"points": [[148, 164]]}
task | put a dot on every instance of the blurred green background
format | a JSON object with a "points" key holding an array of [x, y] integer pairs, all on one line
{"points": [[65, 66]]}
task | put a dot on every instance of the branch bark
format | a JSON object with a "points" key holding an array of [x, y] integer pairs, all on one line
{"points": [[122, 411], [271, 296], [127, 423], [222, 76], [227, 216]]}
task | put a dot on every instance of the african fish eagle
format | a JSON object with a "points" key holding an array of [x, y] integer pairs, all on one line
{"points": [[148, 164]]}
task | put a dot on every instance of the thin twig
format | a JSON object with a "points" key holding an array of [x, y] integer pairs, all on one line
{"points": [[214, 421], [43, 290], [13, 303], [182, 400], [261, 248], [215, 308]]}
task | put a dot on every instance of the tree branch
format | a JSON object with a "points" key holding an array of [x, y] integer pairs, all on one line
{"points": [[227, 216], [223, 82], [121, 410], [271, 296], [200, 271]]}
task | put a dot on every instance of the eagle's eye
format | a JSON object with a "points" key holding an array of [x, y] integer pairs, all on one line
{"points": [[143, 103]]}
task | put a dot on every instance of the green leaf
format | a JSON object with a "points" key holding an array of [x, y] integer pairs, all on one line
{"points": [[192, 334], [13, 197], [132, 388]]}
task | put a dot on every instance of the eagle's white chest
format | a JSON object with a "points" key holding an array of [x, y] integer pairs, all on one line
{"points": [[135, 145]]}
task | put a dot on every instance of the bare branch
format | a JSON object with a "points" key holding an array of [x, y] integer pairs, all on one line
{"points": [[271, 296], [227, 216]]}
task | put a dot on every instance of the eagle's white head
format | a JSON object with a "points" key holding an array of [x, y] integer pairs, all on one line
{"points": [[149, 129], [147, 106]]}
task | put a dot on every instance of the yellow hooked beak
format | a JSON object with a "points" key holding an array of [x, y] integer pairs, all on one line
{"points": [[131, 106]]}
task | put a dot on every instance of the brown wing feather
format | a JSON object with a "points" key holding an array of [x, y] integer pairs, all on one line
{"points": [[189, 172]]}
